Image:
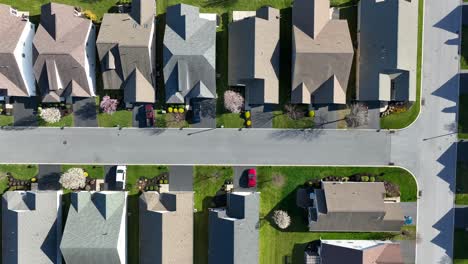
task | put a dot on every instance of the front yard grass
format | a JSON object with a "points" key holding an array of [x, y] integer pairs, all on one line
{"points": [[461, 196], [65, 121], [122, 118], [230, 120], [281, 120], [207, 181], [464, 48], [21, 172], [402, 120], [275, 245], [94, 171], [6, 120]]}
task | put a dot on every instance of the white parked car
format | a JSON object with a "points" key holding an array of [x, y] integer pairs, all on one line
{"points": [[121, 176]]}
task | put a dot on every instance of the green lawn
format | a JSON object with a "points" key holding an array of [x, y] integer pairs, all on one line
{"points": [[281, 120], [230, 120], [22, 172], [207, 181], [464, 48], [94, 171], [275, 245], [121, 117], [461, 196], [164, 120], [460, 254], [66, 121], [6, 120], [401, 120], [463, 116]]}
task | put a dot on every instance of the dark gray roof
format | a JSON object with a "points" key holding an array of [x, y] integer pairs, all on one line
{"points": [[233, 231], [123, 44], [254, 55], [95, 231], [12, 79], [322, 54], [387, 50], [31, 223], [189, 55], [60, 56], [354, 206], [166, 227]]}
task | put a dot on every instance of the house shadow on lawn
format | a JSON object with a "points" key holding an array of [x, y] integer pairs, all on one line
{"points": [[201, 231]]}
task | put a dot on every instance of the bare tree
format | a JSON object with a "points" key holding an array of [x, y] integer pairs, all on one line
{"points": [[293, 112], [282, 219], [233, 101], [358, 115], [73, 179]]}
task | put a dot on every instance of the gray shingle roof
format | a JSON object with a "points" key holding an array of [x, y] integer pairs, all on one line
{"points": [[254, 55], [355, 206], [31, 223], [95, 231], [166, 227], [322, 54], [387, 50], [233, 231], [12, 79], [61, 40], [123, 44], [189, 55]]}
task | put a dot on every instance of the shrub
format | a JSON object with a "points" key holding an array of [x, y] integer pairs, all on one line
{"points": [[247, 114], [233, 101], [281, 219], [249, 123], [86, 174], [90, 15], [365, 178], [33, 179], [73, 179], [311, 113], [345, 179], [181, 110], [372, 179], [391, 189], [108, 105], [50, 115], [166, 181], [170, 109]]}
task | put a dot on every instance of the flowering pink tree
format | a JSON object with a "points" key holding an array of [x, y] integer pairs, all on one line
{"points": [[233, 101], [109, 105]]}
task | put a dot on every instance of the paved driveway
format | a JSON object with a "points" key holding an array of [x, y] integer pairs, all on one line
{"points": [[84, 111], [24, 111], [180, 178], [207, 113], [241, 178], [49, 176], [262, 116]]}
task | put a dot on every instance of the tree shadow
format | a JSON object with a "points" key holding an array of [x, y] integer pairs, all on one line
{"points": [[201, 232], [300, 134], [133, 228]]}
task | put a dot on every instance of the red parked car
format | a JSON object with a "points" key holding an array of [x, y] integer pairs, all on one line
{"points": [[149, 115], [252, 178]]}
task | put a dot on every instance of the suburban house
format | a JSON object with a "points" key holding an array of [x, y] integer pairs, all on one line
{"points": [[64, 54], [254, 54], [96, 228], [388, 39], [32, 227], [16, 70], [189, 57], [353, 207], [354, 252], [322, 54], [233, 231], [166, 227], [126, 48]]}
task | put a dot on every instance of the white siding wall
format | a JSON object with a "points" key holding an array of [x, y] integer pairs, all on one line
{"points": [[25, 63], [90, 59], [122, 242]]}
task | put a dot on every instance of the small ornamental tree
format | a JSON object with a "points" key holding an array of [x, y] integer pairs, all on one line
{"points": [[282, 219], [108, 105], [233, 101], [358, 116], [50, 115], [73, 179]]}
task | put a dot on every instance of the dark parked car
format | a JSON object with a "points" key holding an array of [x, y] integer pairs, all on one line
{"points": [[149, 111], [252, 178]]}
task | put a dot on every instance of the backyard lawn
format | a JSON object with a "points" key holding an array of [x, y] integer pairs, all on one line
{"points": [[6, 120], [401, 120], [94, 171], [66, 121], [461, 196], [460, 254], [463, 116], [207, 181], [277, 186]]}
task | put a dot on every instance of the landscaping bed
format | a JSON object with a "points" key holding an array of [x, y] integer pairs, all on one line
{"points": [[94, 171], [20, 172]]}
